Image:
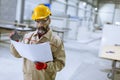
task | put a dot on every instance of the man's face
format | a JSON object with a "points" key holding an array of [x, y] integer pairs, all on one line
{"points": [[42, 25]]}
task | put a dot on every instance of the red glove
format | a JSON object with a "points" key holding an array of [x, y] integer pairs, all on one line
{"points": [[40, 65], [14, 36], [17, 40]]}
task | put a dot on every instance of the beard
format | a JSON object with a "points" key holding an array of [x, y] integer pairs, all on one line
{"points": [[43, 29]]}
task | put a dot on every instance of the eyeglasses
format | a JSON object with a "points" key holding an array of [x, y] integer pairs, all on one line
{"points": [[43, 21]]}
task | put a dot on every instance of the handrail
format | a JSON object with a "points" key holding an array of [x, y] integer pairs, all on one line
{"points": [[14, 23]]}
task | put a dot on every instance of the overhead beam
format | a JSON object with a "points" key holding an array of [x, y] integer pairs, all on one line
{"points": [[88, 3]]}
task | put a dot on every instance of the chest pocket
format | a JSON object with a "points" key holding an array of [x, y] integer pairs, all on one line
{"points": [[53, 48]]}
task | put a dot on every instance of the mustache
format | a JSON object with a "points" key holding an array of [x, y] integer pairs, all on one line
{"points": [[42, 28]]}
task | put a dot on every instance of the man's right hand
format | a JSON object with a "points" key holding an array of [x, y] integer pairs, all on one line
{"points": [[14, 36]]}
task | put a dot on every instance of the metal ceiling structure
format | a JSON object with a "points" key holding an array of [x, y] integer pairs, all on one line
{"points": [[109, 1]]}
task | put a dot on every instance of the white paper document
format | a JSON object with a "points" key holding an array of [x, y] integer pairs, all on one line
{"points": [[34, 52]]}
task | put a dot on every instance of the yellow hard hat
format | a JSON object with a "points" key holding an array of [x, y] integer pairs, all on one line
{"points": [[40, 12]]}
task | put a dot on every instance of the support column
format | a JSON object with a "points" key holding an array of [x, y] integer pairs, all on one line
{"points": [[96, 13], [113, 18], [20, 11], [0, 7], [77, 11]]}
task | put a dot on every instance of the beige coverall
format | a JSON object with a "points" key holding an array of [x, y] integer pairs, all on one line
{"points": [[58, 52]]}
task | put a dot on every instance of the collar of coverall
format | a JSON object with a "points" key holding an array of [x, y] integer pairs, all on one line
{"points": [[47, 35]]}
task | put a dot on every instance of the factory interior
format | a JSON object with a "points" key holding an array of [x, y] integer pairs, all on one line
{"points": [[80, 24]]}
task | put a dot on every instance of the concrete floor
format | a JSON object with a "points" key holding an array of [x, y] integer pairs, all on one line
{"points": [[82, 62]]}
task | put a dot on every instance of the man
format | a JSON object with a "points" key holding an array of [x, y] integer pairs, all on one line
{"points": [[40, 70]]}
